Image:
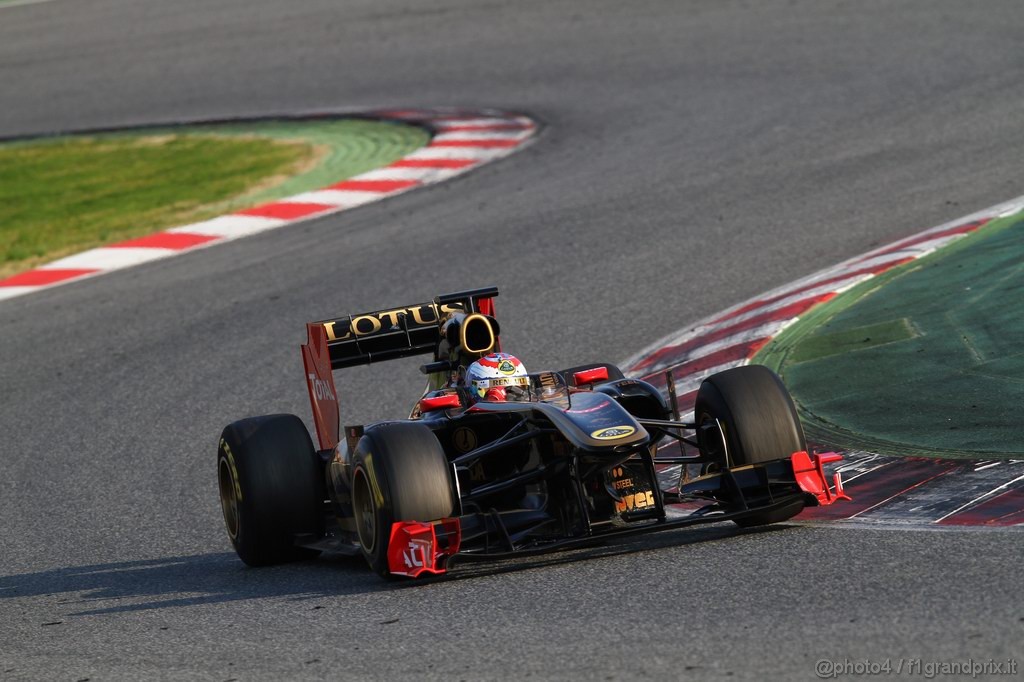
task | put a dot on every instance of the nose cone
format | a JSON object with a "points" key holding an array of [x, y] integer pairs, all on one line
{"points": [[596, 422]]}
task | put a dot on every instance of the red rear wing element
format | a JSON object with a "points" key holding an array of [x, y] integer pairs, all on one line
{"points": [[320, 381], [417, 548], [810, 474], [485, 306]]}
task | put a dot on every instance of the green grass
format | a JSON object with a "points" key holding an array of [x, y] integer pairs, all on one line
{"points": [[64, 195]]}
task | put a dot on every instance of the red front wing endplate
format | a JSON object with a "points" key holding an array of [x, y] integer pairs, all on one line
{"points": [[810, 475], [417, 548]]}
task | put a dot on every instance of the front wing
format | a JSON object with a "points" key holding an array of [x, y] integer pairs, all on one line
{"points": [[735, 494]]}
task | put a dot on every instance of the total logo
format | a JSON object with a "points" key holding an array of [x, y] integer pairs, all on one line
{"points": [[321, 389]]}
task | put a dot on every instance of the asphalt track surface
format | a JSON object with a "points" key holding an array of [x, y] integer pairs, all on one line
{"points": [[694, 154]]}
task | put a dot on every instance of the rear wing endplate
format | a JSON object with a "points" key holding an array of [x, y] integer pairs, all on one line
{"points": [[323, 397]]}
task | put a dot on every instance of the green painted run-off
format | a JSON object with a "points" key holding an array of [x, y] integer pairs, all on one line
{"points": [[927, 359]]}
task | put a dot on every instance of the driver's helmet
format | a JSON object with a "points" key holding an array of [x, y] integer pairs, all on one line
{"points": [[498, 376]]}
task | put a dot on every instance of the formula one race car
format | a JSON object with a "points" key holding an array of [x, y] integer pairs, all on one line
{"points": [[571, 460]]}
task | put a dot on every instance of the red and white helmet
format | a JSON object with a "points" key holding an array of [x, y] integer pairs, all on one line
{"points": [[498, 376]]}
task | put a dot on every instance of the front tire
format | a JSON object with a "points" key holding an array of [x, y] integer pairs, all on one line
{"points": [[759, 421], [270, 491], [399, 473]]}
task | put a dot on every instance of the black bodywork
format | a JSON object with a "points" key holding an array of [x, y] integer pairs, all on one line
{"points": [[575, 463], [531, 477]]}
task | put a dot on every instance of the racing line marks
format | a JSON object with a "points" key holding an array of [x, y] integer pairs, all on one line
{"points": [[889, 489], [461, 140], [978, 499]]}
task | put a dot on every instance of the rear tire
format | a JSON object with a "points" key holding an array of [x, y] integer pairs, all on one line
{"points": [[270, 488], [399, 473], [759, 421]]}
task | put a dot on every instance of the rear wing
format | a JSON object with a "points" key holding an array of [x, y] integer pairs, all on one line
{"points": [[399, 332], [374, 337]]}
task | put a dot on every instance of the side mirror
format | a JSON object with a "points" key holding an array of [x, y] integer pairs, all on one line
{"points": [[440, 402]]}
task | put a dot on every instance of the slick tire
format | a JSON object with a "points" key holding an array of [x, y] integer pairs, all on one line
{"points": [[399, 473], [271, 488], [759, 421]]}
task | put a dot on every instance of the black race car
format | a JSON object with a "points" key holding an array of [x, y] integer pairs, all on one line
{"points": [[575, 462]]}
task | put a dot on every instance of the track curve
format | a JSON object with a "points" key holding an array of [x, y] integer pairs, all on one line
{"points": [[694, 154]]}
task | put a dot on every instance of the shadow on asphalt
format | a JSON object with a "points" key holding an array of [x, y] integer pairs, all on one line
{"points": [[183, 581], [633, 545], [201, 579]]}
